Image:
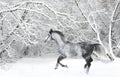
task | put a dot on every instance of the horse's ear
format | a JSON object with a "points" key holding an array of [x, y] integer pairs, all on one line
{"points": [[50, 31]]}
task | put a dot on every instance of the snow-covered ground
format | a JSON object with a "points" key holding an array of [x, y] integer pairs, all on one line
{"points": [[44, 67]]}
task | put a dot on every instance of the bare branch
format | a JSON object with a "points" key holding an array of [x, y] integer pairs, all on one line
{"points": [[80, 9], [110, 26], [113, 14], [116, 20]]}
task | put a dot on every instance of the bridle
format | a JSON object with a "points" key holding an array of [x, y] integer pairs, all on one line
{"points": [[49, 36]]}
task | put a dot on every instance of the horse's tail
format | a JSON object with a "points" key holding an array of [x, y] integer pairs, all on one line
{"points": [[99, 50]]}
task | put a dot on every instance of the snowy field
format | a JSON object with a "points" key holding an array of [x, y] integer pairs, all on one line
{"points": [[44, 67]]}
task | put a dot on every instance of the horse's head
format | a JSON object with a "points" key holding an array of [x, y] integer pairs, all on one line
{"points": [[50, 37], [55, 35]]}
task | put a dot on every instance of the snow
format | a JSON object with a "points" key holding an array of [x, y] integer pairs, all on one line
{"points": [[44, 67]]}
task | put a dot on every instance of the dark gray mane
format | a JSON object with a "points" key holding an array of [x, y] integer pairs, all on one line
{"points": [[58, 32]]}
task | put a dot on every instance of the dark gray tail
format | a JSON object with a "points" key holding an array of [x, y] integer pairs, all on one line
{"points": [[101, 52]]}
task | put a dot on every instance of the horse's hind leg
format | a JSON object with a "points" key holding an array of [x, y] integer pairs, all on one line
{"points": [[60, 58], [88, 64]]}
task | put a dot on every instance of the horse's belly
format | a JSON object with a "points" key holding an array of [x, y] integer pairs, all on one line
{"points": [[74, 53], [71, 51], [71, 54]]}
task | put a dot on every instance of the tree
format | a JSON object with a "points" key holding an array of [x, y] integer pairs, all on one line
{"points": [[26, 23]]}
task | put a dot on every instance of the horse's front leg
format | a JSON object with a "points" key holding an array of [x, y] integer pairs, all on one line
{"points": [[60, 58]]}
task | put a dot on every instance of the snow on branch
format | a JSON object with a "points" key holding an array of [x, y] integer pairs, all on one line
{"points": [[92, 24], [113, 18], [116, 20], [118, 45], [110, 26], [64, 20], [19, 21], [80, 9]]}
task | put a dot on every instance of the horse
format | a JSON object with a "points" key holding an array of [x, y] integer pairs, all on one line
{"points": [[67, 49]]}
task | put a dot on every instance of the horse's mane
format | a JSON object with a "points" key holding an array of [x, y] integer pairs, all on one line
{"points": [[55, 31], [58, 32]]}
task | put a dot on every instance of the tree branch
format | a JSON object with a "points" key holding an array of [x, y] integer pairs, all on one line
{"points": [[110, 27], [80, 9]]}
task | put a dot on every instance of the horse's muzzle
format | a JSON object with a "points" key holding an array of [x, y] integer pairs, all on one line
{"points": [[47, 38]]}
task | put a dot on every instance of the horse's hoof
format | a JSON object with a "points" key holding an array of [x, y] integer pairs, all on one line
{"points": [[65, 66], [55, 68], [85, 66]]}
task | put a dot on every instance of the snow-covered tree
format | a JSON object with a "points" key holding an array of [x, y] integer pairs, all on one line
{"points": [[24, 24]]}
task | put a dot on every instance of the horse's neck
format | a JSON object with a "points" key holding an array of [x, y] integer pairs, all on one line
{"points": [[60, 40]]}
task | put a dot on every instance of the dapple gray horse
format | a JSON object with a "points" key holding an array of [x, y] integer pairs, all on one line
{"points": [[82, 49]]}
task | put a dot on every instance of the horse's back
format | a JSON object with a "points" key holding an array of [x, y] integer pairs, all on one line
{"points": [[72, 49]]}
